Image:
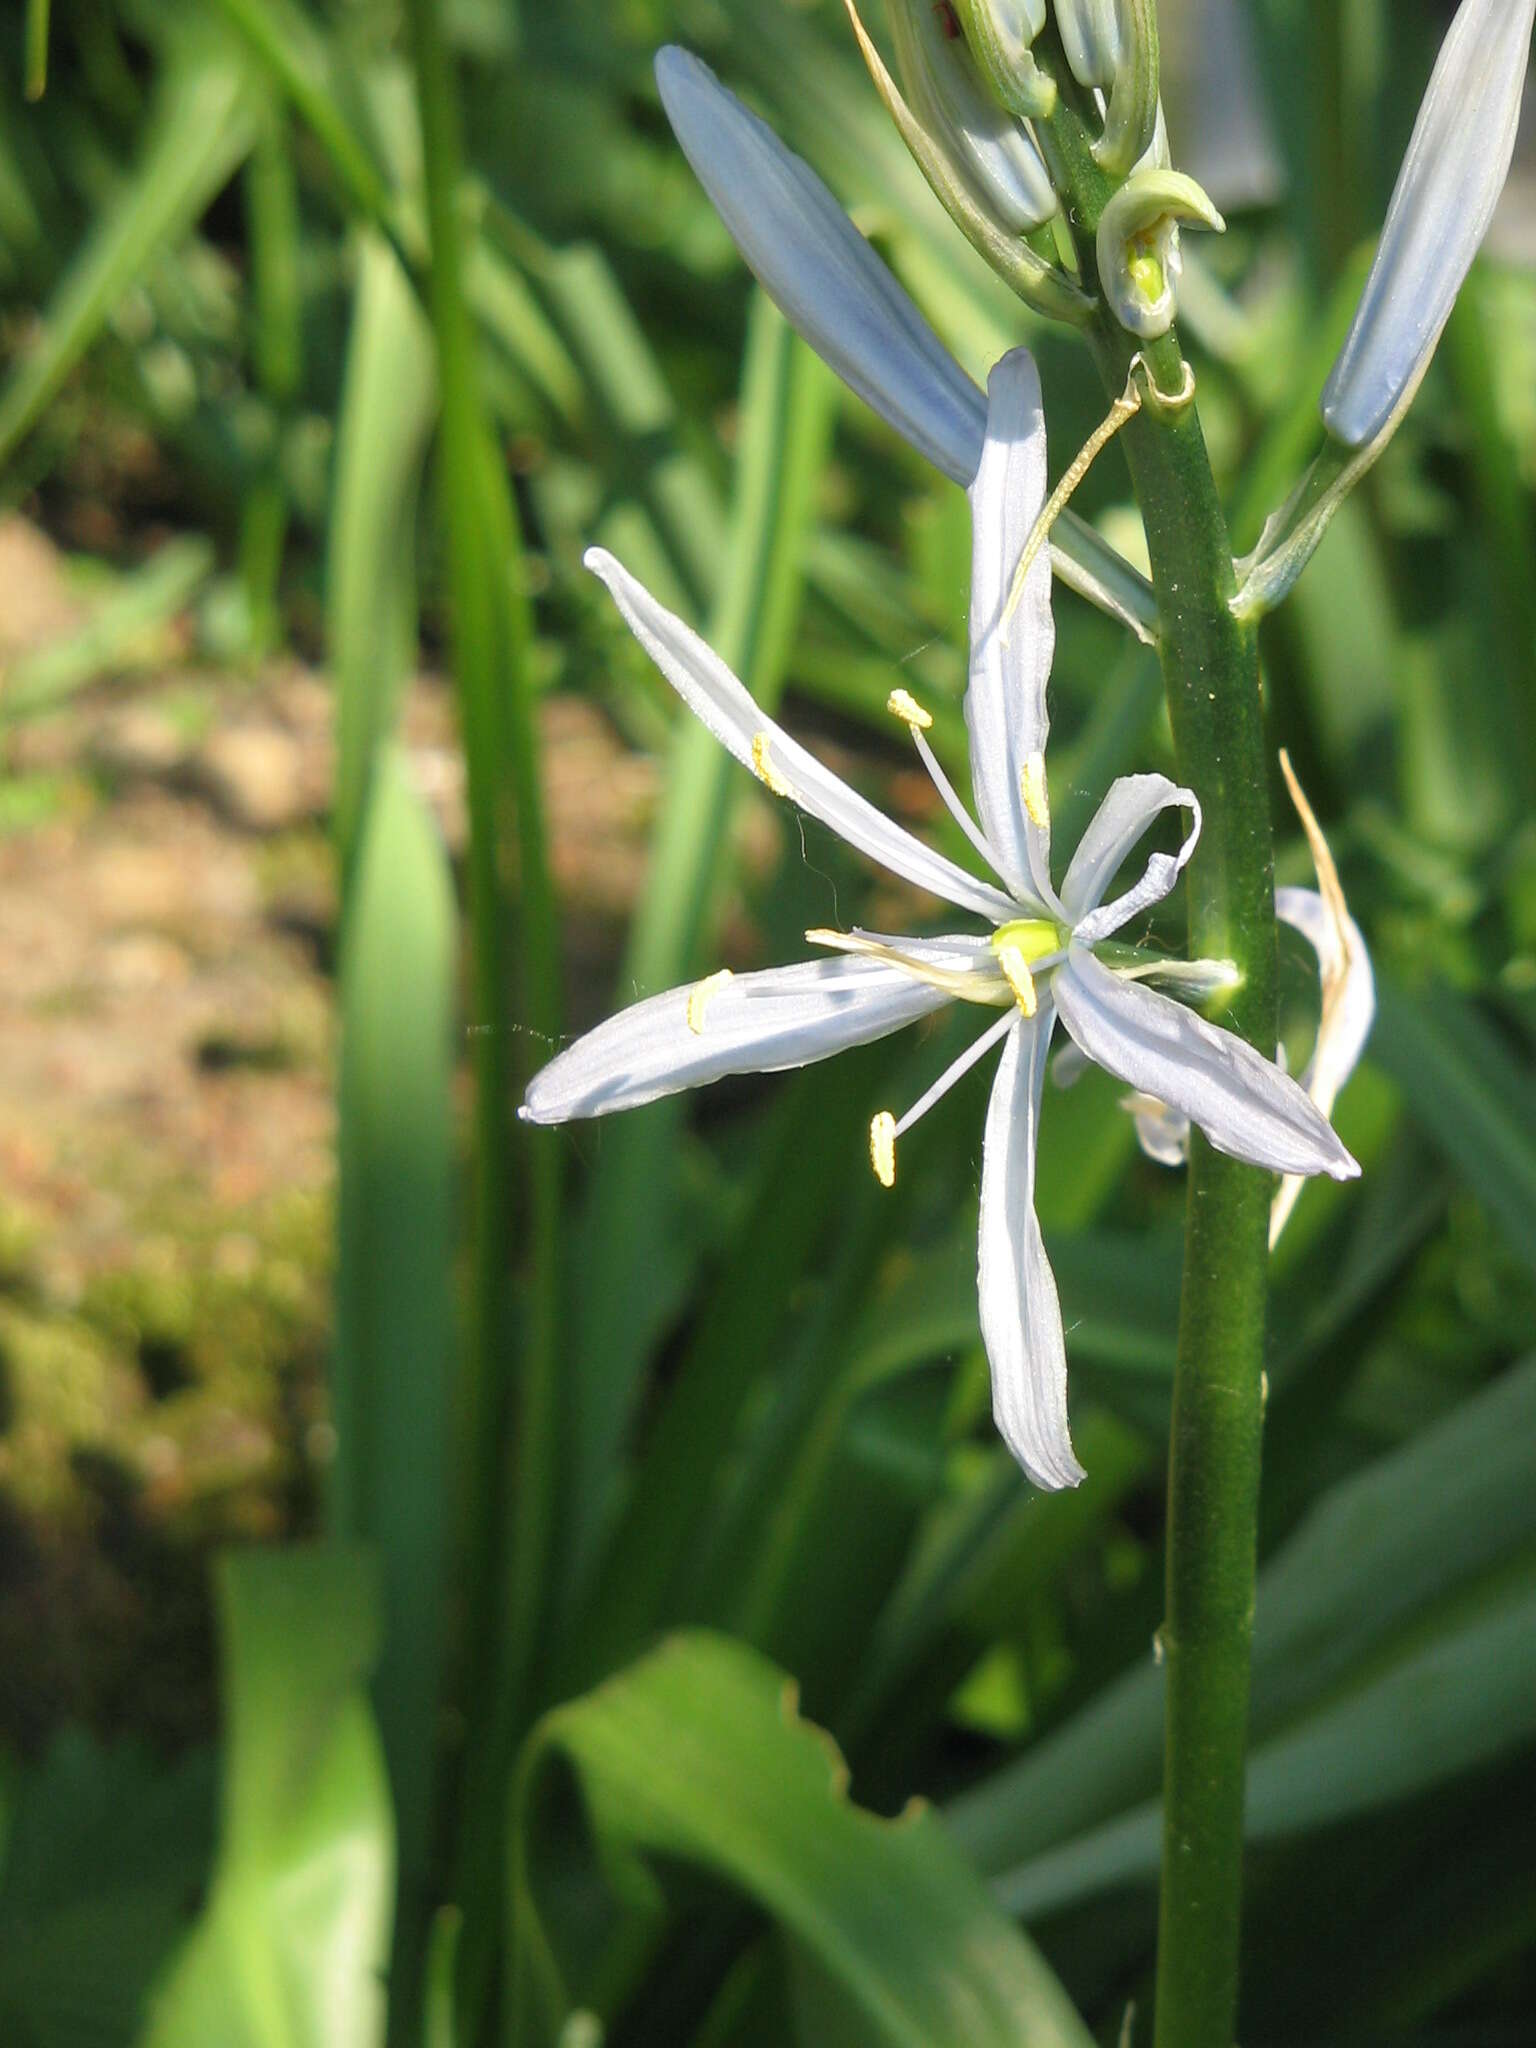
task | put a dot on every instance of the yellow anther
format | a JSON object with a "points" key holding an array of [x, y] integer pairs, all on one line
{"points": [[762, 765], [1018, 977], [700, 996], [882, 1148], [903, 705], [1037, 798]]}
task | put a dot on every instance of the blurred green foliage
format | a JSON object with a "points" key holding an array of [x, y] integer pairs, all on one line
{"points": [[722, 1392]]}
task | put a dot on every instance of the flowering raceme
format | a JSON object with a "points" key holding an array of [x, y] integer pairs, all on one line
{"points": [[1042, 955]]}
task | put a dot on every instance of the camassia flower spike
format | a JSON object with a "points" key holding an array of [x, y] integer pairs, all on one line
{"points": [[1040, 955], [1450, 181]]}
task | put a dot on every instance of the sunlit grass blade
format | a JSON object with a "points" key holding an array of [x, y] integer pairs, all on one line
{"points": [[912, 1954], [292, 1942], [389, 401], [202, 128], [395, 1347], [785, 421], [511, 1391], [287, 40], [37, 48], [272, 232]]}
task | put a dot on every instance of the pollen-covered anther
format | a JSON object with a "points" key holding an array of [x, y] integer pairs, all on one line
{"points": [[882, 1148], [1018, 977], [1032, 787], [762, 765], [903, 705], [700, 997]]}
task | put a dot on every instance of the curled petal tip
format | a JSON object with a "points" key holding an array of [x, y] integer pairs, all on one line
{"points": [[1138, 247]]}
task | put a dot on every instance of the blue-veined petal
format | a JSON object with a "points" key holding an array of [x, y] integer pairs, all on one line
{"points": [[819, 270], [737, 1024], [721, 702], [1131, 804], [1005, 711], [1020, 1310], [1242, 1102], [1449, 184]]}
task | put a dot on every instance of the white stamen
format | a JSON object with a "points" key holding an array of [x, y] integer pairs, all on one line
{"points": [[952, 803], [968, 984], [956, 1071], [699, 997]]}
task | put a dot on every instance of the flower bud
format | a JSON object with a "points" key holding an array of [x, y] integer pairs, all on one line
{"points": [[1138, 247], [970, 153], [1000, 33], [994, 153], [1112, 45], [1457, 161]]}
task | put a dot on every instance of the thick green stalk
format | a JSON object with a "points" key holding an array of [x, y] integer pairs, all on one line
{"points": [[1211, 673]]}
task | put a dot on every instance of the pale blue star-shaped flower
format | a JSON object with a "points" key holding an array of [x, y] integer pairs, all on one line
{"points": [[1036, 960]]}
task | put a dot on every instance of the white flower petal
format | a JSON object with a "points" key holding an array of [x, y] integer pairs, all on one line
{"points": [[1020, 1311], [1348, 1011], [722, 703], [819, 270], [1091, 36], [1005, 710], [1162, 1133], [1454, 170], [1349, 992], [748, 1024], [1242, 1102], [1131, 805]]}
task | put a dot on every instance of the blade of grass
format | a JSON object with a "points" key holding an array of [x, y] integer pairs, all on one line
{"points": [[389, 401], [298, 55], [37, 48], [203, 127], [272, 238], [786, 417], [392, 1367], [511, 1388]]}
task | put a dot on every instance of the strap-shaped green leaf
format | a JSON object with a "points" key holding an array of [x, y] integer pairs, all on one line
{"points": [[291, 1948], [698, 1755]]}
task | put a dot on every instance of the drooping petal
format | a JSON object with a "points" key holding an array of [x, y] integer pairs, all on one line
{"points": [[1162, 1133], [1242, 1102], [1458, 158], [1131, 805], [1020, 1310], [739, 1024], [1005, 711], [722, 703], [819, 270], [1348, 1010]]}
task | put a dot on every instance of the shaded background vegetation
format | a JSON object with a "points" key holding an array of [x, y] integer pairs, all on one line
{"points": [[283, 930]]}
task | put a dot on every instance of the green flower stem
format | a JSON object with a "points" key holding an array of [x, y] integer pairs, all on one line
{"points": [[1211, 672]]}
